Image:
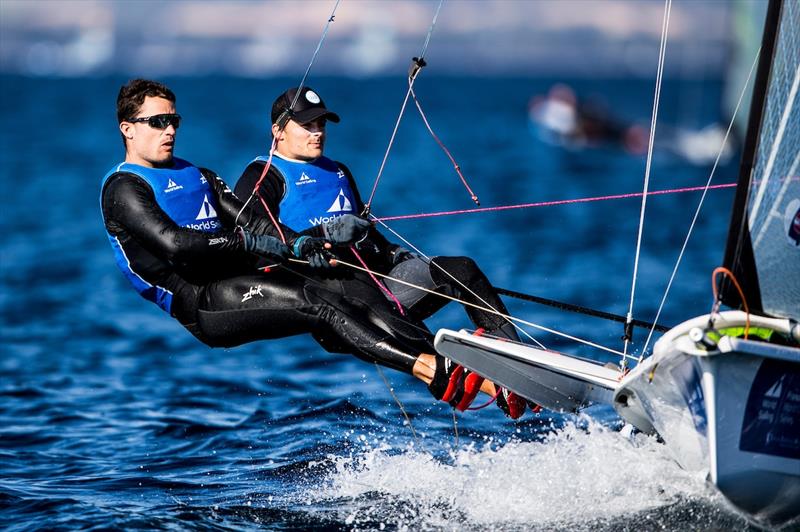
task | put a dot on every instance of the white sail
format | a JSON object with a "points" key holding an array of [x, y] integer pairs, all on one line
{"points": [[774, 203]]}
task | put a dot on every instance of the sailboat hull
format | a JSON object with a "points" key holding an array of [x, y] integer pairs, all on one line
{"points": [[732, 411]]}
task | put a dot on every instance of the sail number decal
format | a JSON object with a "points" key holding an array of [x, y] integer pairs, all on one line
{"points": [[772, 416]]}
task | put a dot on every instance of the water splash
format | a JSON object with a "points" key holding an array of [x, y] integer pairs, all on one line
{"points": [[581, 475]]}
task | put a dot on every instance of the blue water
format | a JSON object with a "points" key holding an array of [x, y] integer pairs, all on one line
{"points": [[111, 415]]}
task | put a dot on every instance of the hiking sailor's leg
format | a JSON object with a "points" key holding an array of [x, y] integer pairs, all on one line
{"points": [[474, 287], [476, 290]]}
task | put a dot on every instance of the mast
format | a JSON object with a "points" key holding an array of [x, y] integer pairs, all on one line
{"points": [[739, 256]]}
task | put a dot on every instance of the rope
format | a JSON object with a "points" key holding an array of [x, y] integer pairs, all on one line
{"points": [[314, 56], [579, 309], [653, 121], [274, 144], [550, 203], [430, 30], [490, 310], [455, 429], [412, 76], [397, 400], [377, 281], [446, 151], [468, 289], [699, 206], [729, 273]]}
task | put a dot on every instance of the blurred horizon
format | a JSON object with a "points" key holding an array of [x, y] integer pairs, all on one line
{"points": [[578, 38]]}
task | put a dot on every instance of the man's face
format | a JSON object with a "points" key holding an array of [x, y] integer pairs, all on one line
{"points": [[303, 142], [147, 145]]}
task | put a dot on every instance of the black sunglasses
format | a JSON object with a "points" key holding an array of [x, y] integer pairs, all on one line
{"points": [[160, 121]]}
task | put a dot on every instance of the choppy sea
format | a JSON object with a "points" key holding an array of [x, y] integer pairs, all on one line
{"points": [[113, 417]]}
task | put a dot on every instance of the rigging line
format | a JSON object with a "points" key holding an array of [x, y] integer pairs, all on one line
{"points": [[457, 168], [579, 309], [699, 206], [551, 203], [659, 76], [455, 428], [428, 259], [486, 309], [423, 330], [314, 56], [430, 30], [275, 139], [386, 154], [416, 66], [397, 400], [380, 285]]}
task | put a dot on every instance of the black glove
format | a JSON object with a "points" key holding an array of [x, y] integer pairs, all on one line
{"points": [[313, 250], [264, 245], [346, 229]]}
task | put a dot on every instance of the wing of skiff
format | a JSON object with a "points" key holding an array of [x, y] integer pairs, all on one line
{"points": [[553, 380]]}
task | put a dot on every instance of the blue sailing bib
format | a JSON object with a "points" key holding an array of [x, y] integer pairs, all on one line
{"points": [[316, 192], [185, 195]]}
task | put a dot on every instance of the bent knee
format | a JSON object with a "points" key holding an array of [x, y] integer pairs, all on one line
{"points": [[462, 268]]}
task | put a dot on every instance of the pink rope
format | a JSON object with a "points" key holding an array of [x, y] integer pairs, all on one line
{"points": [[551, 203], [377, 282], [444, 148]]}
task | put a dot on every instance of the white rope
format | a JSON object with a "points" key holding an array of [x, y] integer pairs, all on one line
{"points": [[314, 55], [661, 55], [699, 206], [399, 404], [274, 144], [485, 309], [430, 30], [468, 289], [411, 81]]}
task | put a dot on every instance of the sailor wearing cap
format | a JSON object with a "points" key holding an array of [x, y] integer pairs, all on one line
{"points": [[311, 193]]}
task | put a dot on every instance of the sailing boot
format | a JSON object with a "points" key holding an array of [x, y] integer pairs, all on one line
{"points": [[454, 384], [510, 403]]}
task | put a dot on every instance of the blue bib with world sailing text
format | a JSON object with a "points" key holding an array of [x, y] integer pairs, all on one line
{"points": [[185, 195], [316, 192]]}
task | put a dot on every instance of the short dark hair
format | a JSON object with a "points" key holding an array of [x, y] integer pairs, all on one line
{"points": [[131, 97]]}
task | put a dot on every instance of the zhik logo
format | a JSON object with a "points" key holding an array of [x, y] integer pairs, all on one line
{"points": [[252, 292]]}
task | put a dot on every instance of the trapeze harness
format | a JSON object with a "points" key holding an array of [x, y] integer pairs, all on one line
{"points": [[315, 192], [185, 195]]}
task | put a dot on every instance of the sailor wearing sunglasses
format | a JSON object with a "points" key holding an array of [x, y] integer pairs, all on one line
{"points": [[186, 243]]}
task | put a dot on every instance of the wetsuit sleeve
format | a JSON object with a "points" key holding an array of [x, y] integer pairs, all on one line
{"points": [[129, 206], [271, 191]]}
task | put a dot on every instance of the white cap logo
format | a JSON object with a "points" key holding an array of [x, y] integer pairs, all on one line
{"points": [[312, 97]]}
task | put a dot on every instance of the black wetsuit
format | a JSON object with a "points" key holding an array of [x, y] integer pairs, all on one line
{"points": [[391, 259], [220, 297]]}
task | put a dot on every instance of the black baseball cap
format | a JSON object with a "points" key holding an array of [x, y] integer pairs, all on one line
{"points": [[309, 106]]}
